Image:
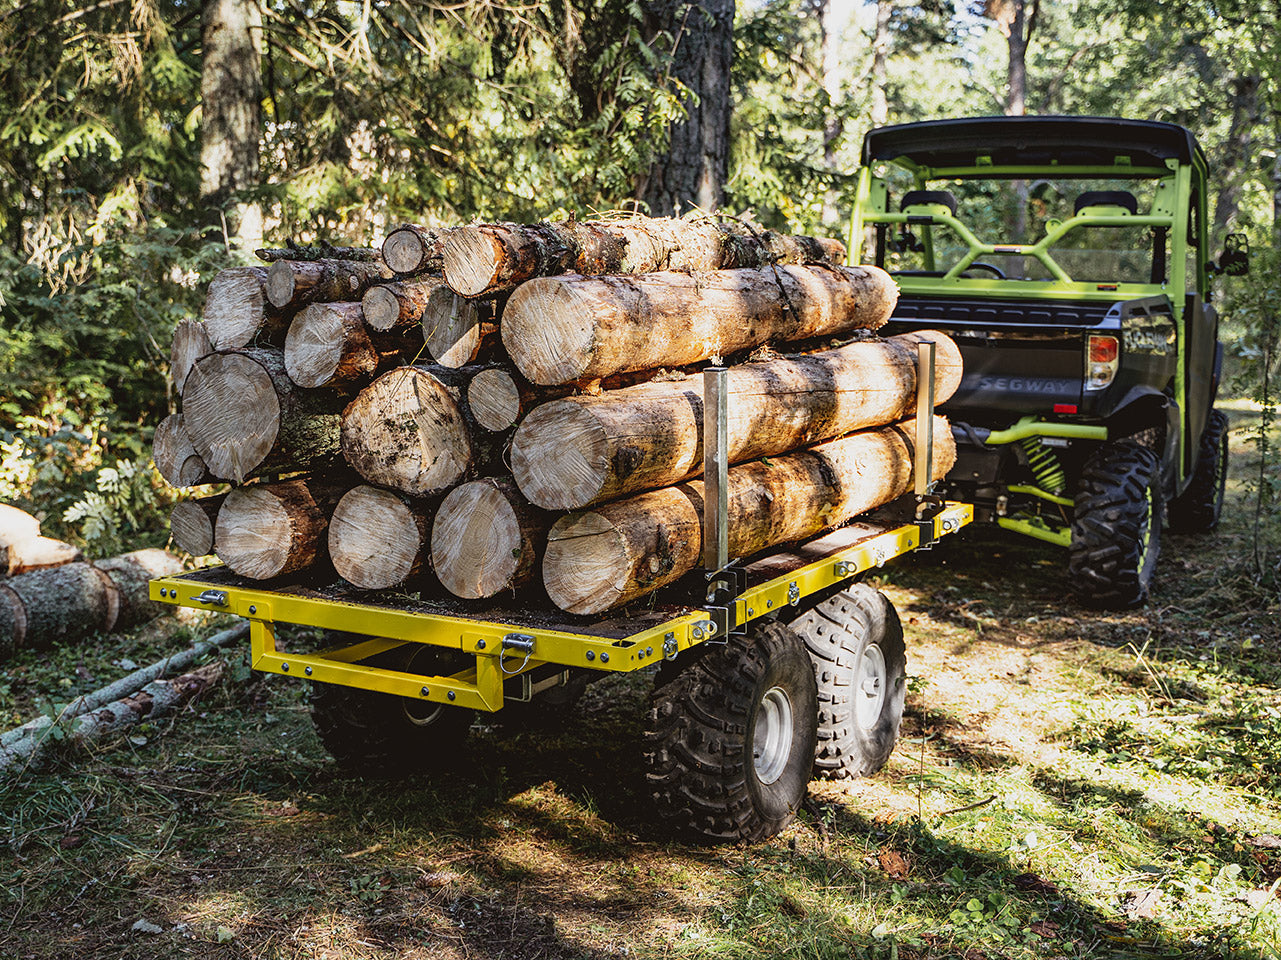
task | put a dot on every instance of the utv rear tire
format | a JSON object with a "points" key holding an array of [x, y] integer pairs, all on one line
{"points": [[855, 641], [1116, 527], [383, 735], [1199, 508], [729, 737]]}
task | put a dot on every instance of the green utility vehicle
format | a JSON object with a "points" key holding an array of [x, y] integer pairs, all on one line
{"points": [[1069, 259]]}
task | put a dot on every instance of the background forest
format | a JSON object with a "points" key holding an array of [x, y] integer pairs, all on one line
{"points": [[148, 143]]}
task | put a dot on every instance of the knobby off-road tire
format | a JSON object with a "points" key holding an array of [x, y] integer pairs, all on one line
{"points": [[855, 641], [382, 735], [1116, 527], [729, 738], [1199, 507]]}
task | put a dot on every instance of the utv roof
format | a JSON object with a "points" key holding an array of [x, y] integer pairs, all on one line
{"points": [[1032, 141]]}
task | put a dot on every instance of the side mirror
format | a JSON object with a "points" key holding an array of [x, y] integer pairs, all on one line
{"points": [[1235, 260]]}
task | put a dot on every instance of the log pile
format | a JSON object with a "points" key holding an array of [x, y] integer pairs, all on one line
{"points": [[503, 407]]}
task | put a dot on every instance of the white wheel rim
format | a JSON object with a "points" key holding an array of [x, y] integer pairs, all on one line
{"points": [[772, 739], [870, 691]]}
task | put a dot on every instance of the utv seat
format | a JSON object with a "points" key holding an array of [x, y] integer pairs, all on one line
{"points": [[1106, 198], [917, 198]]}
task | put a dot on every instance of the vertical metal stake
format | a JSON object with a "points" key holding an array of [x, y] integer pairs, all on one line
{"points": [[923, 469], [716, 469]]}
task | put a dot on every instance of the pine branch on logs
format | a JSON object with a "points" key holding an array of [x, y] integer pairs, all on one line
{"points": [[323, 252]]}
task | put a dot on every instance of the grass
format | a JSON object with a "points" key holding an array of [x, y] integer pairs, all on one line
{"points": [[1069, 783]]}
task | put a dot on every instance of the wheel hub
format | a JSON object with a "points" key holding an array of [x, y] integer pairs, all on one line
{"points": [[772, 738], [871, 686]]}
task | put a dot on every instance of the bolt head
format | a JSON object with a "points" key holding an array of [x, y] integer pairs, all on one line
{"points": [[604, 657], [253, 609], [425, 692], [307, 670], [591, 654], [480, 644], [284, 667], [451, 695], [649, 651]]}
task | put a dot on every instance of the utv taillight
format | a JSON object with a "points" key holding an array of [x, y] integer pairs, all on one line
{"points": [[1102, 355]]}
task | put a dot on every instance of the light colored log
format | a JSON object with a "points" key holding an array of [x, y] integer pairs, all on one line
{"points": [[191, 524], [496, 399], [37, 553], [63, 604], [456, 329], [329, 346], [573, 328], [132, 574], [237, 312], [175, 456], [412, 249], [244, 416], [398, 305], [269, 530], [582, 450], [379, 539], [292, 284], [601, 558], [190, 343], [487, 539], [16, 524]]}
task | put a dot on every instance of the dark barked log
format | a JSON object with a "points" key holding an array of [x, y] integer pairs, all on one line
{"points": [[323, 252], [64, 604], [132, 574], [292, 284]]}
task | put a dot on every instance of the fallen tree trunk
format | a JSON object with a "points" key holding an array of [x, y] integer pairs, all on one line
{"points": [[329, 346], [292, 284], [411, 249], [490, 257], [190, 343], [571, 329], [192, 522], [487, 538], [61, 604], [581, 450], [269, 530], [37, 553], [379, 539], [16, 525], [237, 312], [245, 416], [411, 430], [175, 455], [600, 558], [131, 573], [323, 252]]}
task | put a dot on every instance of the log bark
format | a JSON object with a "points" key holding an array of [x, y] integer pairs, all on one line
{"points": [[572, 328], [132, 574], [410, 249], [379, 539], [37, 553], [269, 530], [245, 416], [492, 257], [323, 252], [397, 305], [582, 450], [16, 525], [292, 284], [191, 524], [176, 458], [190, 343], [459, 330], [601, 558], [237, 312], [330, 346], [411, 430], [487, 538], [62, 604]]}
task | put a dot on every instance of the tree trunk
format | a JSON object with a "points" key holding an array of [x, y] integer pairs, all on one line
{"points": [[379, 539], [132, 574], [696, 165], [269, 530], [833, 121], [397, 305], [410, 249], [330, 346], [582, 450], [237, 313], [61, 604], [35, 553], [231, 111], [568, 329], [880, 113], [601, 558], [1236, 153], [190, 343], [326, 252], [412, 430], [487, 539], [16, 525], [491, 257], [176, 457], [292, 284], [245, 416], [191, 525]]}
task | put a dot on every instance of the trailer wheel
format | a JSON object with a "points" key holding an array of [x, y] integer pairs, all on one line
{"points": [[380, 734], [1116, 527], [729, 738], [1198, 509], [855, 641]]}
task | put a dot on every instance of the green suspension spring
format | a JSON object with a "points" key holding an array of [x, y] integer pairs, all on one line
{"points": [[1045, 466]]}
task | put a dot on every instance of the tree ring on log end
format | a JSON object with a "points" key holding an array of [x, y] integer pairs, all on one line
{"points": [[471, 259], [569, 465], [581, 568], [232, 414], [381, 308], [191, 529], [549, 328], [404, 251], [254, 533], [494, 399], [314, 347], [476, 541], [374, 539]]}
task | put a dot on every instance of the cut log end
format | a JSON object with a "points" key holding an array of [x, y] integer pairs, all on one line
{"points": [[560, 456], [268, 531], [191, 525], [478, 546], [235, 307], [405, 250], [581, 569], [175, 456], [494, 398], [558, 348], [281, 283], [328, 345], [190, 343], [376, 539], [233, 414], [472, 258], [451, 328], [381, 308]]}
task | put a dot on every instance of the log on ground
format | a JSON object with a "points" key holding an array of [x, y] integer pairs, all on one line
{"points": [[582, 450], [191, 524], [292, 284], [573, 328], [190, 343], [245, 416], [175, 456], [487, 538], [62, 604], [237, 312], [269, 530], [379, 539], [16, 524], [600, 558], [35, 553], [132, 574]]}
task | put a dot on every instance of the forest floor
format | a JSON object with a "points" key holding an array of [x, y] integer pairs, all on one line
{"points": [[1069, 783]]}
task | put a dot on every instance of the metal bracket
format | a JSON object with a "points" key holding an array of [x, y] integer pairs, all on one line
{"points": [[670, 648], [715, 468], [217, 598], [727, 583], [521, 643]]}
